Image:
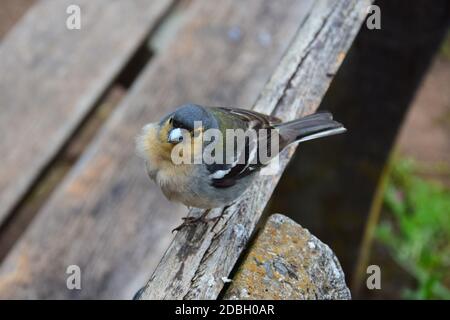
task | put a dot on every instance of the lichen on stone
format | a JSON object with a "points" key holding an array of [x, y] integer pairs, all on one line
{"points": [[287, 262]]}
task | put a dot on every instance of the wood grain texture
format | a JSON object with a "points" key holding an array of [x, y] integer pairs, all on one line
{"points": [[11, 12], [201, 256], [108, 217], [51, 77]]}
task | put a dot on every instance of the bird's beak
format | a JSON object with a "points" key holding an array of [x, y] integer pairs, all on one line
{"points": [[175, 136]]}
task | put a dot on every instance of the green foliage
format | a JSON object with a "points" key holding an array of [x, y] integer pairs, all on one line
{"points": [[445, 49], [418, 233]]}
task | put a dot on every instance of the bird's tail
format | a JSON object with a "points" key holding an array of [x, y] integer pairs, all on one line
{"points": [[313, 126]]}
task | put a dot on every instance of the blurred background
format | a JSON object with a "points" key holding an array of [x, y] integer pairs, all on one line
{"points": [[378, 195], [410, 207]]}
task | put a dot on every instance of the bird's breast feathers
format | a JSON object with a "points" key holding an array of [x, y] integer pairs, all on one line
{"points": [[152, 145]]}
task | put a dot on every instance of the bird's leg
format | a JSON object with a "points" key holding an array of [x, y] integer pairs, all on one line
{"points": [[219, 216], [193, 220], [202, 218]]}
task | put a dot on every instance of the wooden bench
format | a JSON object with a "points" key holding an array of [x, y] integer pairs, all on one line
{"points": [[199, 257], [218, 58], [106, 216], [52, 78]]}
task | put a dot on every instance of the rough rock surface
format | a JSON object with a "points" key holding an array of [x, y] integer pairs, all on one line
{"points": [[288, 262]]}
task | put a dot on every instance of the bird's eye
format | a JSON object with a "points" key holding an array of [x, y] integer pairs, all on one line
{"points": [[175, 136]]}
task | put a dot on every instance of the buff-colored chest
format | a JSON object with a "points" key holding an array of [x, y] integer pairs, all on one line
{"points": [[173, 177]]}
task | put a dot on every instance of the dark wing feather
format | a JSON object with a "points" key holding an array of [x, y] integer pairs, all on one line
{"points": [[252, 117], [255, 121]]}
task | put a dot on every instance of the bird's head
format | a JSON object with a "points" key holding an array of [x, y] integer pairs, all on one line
{"points": [[189, 119], [185, 125]]}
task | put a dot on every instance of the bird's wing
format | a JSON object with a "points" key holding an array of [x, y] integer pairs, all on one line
{"points": [[246, 158], [253, 118]]}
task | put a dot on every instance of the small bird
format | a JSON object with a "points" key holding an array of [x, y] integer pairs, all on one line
{"points": [[206, 184]]}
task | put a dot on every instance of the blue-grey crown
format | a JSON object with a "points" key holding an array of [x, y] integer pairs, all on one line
{"points": [[186, 116]]}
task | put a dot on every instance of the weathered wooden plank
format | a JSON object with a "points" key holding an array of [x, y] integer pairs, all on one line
{"points": [[200, 257], [107, 217], [12, 11], [51, 77]]}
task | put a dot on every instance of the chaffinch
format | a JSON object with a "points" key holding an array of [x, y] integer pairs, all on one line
{"points": [[219, 179]]}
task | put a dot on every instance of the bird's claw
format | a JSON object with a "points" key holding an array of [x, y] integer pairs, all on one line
{"points": [[187, 221]]}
